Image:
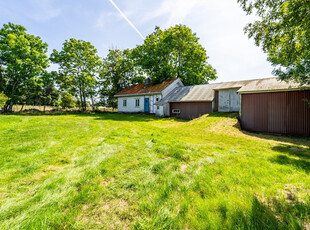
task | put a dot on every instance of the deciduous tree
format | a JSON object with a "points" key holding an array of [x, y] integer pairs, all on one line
{"points": [[22, 58], [172, 53], [117, 73], [3, 100], [78, 67], [283, 31], [67, 100]]}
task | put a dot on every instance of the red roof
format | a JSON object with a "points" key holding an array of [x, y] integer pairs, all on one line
{"points": [[145, 88]]}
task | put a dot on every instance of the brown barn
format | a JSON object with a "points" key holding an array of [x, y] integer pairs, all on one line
{"points": [[269, 105], [190, 102]]}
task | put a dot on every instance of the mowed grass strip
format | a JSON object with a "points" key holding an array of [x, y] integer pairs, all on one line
{"points": [[117, 171]]}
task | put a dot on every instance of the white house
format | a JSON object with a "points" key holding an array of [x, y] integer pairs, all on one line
{"points": [[141, 98]]}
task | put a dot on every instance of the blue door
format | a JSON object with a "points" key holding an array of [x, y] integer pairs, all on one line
{"points": [[146, 105]]}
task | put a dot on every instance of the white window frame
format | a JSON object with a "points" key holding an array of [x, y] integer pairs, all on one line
{"points": [[176, 111], [124, 102], [137, 104]]}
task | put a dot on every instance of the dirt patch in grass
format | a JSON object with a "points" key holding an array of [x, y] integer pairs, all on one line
{"points": [[113, 214]]}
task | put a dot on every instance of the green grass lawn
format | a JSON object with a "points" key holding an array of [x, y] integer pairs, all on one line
{"points": [[116, 171]]}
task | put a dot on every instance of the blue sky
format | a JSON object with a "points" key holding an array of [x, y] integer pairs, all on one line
{"points": [[219, 25]]}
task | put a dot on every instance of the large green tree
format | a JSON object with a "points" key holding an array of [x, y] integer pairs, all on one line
{"points": [[283, 31], [78, 68], [117, 73], [175, 52], [22, 58]]}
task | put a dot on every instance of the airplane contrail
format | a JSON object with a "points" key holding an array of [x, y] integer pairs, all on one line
{"points": [[127, 19]]}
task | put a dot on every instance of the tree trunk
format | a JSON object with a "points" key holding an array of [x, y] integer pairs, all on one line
{"points": [[21, 109], [84, 99], [92, 102], [44, 109], [11, 107]]}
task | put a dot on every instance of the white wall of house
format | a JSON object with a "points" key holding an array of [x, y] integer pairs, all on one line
{"points": [[153, 98], [160, 111], [229, 100], [130, 104], [163, 110]]}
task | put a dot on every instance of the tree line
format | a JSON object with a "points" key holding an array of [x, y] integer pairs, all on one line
{"points": [[83, 78], [282, 30]]}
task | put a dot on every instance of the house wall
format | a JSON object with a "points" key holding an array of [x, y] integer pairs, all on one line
{"points": [[276, 112], [131, 104], [131, 100], [160, 111], [190, 110], [163, 110], [228, 100]]}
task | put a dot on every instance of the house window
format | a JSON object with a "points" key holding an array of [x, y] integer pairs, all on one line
{"points": [[137, 102], [157, 107], [157, 98], [124, 103], [176, 111]]}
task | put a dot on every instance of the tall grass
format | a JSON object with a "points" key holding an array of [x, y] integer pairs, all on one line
{"points": [[117, 171]]}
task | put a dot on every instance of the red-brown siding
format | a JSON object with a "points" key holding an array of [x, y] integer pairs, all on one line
{"points": [[190, 110], [276, 112], [216, 101]]}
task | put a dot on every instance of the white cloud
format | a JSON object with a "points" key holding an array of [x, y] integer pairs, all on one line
{"points": [[174, 11], [219, 24]]}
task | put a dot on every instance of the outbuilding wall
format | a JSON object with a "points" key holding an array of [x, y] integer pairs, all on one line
{"points": [[276, 112], [190, 110], [228, 100]]}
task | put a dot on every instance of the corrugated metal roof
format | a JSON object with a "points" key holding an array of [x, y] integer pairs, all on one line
{"points": [[233, 84], [190, 94], [146, 88], [270, 84]]}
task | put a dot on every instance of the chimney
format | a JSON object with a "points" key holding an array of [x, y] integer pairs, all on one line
{"points": [[147, 80]]}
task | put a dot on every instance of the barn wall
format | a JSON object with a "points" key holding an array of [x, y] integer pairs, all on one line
{"points": [[228, 100], [276, 112], [216, 101], [190, 110]]}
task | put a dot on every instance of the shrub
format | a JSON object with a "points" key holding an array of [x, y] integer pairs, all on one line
{"points": [[3, 99]]}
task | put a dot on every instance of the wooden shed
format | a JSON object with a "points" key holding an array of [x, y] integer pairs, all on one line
{"points": [[268, 105], [190, 102]]}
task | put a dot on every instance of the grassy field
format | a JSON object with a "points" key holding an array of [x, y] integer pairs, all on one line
{"points": [[115, 171]]}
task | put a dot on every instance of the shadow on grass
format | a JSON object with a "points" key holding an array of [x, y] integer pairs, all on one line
{"points": [[293, 150], [296, 163], [296, 140], [274, 215], [295, 156]]}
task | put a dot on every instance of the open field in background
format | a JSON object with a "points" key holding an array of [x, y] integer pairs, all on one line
{"points": [[17, 108], [117, 171]]}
